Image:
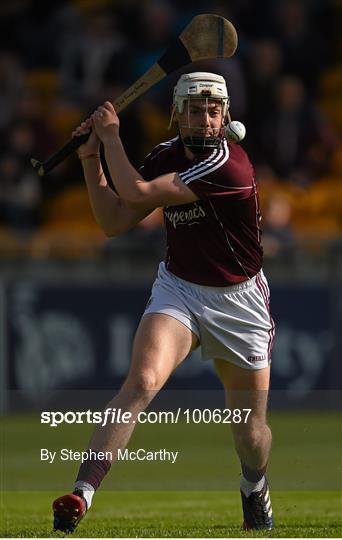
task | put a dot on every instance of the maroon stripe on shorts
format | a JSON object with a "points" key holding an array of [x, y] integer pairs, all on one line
{"points": [[264, 293], [272, 333]]}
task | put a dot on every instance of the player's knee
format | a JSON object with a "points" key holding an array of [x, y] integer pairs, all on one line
{"points": [[145, 381], [252, 436]]}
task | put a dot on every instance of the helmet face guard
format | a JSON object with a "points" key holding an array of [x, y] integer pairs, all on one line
{"points": [[200, 143], [200, 86]]}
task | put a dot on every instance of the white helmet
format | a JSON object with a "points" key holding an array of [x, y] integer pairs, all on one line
{"points": [[201, 85]]}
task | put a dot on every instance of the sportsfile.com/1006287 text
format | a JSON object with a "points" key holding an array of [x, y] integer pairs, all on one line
{"points": [[120, 416]]}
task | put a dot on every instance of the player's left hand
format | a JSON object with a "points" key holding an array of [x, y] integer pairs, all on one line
{"points": [[106, 121]]}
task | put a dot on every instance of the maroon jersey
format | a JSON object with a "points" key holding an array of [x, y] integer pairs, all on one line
{"points": [[214, 241]]}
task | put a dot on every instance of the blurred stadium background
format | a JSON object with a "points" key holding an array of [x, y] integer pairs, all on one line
{"points": [[70, 298]]}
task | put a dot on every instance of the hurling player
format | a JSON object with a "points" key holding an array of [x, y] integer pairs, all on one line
{"points": [[210, 290]]}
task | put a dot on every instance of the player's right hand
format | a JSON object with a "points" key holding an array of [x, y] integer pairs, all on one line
{"points": [[92, 146]]}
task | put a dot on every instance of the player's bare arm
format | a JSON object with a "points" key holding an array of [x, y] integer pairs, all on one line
{"points": [[166, 190], [112, 213]]}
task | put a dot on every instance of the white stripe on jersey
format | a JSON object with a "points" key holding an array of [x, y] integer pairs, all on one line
{"points": [[257, 209], [159, 152], [227, 187], [211, 166], [228, 242], [214, 157], [194, 168], [166, 144]]}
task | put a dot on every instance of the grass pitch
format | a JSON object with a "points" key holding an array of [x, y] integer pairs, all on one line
{"points": [[197, 497], [174, 514]]}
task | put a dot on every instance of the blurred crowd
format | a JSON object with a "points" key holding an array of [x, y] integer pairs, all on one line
{"points": [[61, 59]]}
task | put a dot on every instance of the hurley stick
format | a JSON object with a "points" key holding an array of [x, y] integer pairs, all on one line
{"points": [[206, 36]]}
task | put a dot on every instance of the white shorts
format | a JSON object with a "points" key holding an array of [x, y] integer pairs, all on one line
{"points": [[232, 323]]}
